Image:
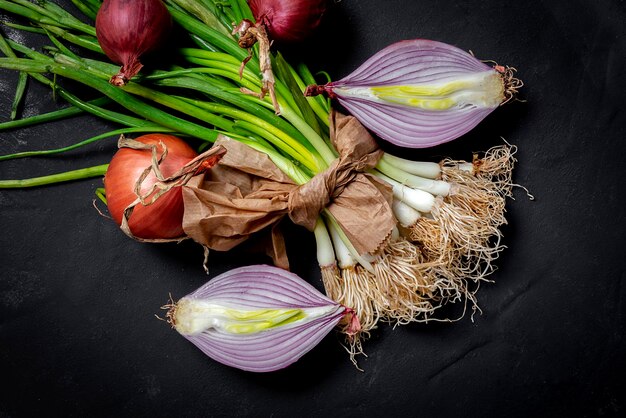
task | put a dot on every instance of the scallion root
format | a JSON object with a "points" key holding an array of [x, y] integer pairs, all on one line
{"points": [[405, 287], [493, 171], [461, 237]]}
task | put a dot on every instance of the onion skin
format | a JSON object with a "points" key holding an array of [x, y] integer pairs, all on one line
{"points": [[289, 20], [128, 29], [257, 318], [162, 219], [286, 21]]}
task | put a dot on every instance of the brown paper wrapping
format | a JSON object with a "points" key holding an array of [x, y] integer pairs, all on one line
{"points": [[242, 195], [246, 193], [360, 202], [199, 164]]}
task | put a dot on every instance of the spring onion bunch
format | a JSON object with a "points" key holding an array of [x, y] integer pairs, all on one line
{"points": [[445, 244], [445, 235]]}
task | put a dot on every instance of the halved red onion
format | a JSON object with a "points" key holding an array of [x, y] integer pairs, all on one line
{"points": [[421, 93], [257, 318]]}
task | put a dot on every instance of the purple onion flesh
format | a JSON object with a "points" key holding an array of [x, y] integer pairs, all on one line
{"points": [[257, 318], [421, 93]]}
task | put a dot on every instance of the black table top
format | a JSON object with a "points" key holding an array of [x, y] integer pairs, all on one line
{"points": [[78, 336]]}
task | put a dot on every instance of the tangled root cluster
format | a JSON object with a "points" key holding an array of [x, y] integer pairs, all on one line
{"points": [[441, 259]]}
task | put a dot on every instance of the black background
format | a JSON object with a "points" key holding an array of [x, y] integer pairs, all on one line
{"points": [[78, 336]]}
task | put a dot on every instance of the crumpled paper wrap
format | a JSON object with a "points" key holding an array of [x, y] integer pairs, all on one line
{"points": [[246, 193], [163, 184]]}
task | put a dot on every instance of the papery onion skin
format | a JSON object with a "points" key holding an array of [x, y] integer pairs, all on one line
{"points": [[162, 219], [421, 93], [128, 29], [246, 299], [289, 21]]}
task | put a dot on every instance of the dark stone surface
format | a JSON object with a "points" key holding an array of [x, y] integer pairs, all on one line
{"points": [[78, 336]]}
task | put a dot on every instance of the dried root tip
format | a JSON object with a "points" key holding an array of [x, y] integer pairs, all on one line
{"points": [[353, 323], [497, 166], [354, 346], [460, 292], [354, 336], [170, 316], [247, 39], [118, 80], [496, 163], [127, 72], [491, 173], [512, 84], [249, 34], [316, 90]]}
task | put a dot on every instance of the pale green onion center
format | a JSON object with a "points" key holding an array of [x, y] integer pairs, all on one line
{"points": [[484, 89], [194, 316]]}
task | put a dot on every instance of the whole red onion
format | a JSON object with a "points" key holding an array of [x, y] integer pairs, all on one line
{"points": [[162, 219], [288, 20], [128, 29]]}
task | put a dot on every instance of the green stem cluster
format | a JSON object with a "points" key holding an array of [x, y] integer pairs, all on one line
{"points": [[204, 94], [201, 96]]}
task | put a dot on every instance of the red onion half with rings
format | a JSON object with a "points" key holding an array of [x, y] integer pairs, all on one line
{"points": [[129, 29], [421, 93], [257, 318]]}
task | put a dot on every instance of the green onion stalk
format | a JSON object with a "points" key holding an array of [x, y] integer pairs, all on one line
{"points": [[448, 213]]}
